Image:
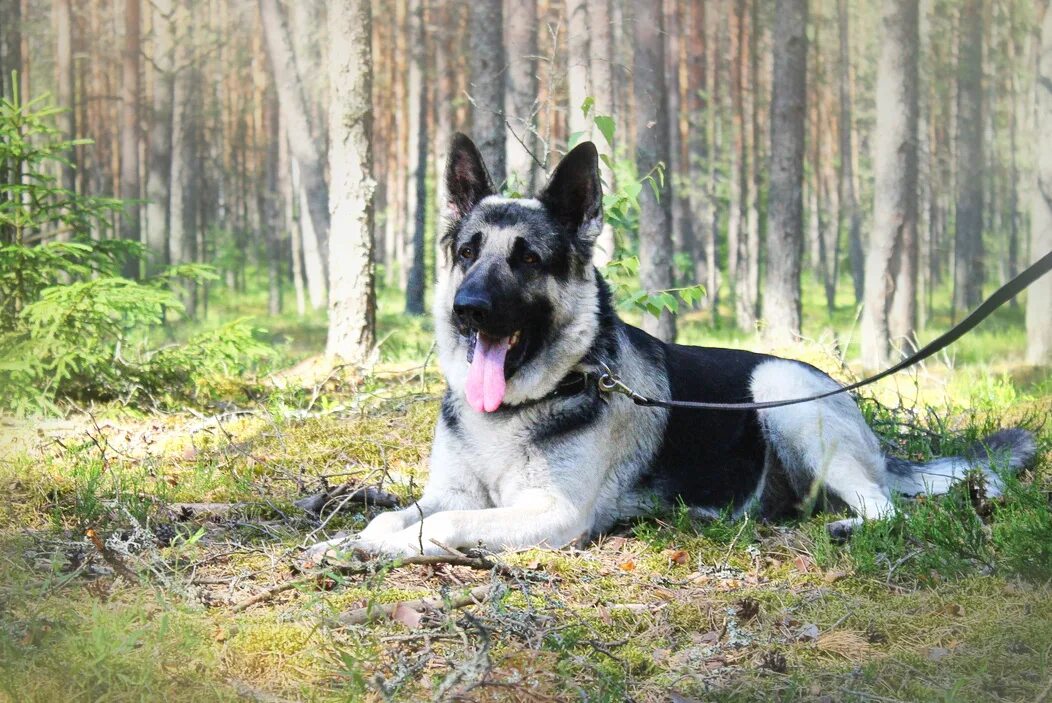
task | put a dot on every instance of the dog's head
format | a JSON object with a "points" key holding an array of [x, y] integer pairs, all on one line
{"points": [[518, 297]]}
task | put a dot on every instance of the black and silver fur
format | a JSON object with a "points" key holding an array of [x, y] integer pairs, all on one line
{"points": [[548, 467]]}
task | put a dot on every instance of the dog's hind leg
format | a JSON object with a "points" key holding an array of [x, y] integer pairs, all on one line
{"points": [[824, 444]]}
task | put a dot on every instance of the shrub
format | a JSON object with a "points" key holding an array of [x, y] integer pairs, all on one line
{"points": [[70, 325]]}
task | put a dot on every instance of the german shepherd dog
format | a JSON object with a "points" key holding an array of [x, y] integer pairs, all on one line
{"points": [[529, 452]]}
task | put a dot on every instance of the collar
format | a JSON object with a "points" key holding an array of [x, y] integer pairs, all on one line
{"points": [[573, 383]]}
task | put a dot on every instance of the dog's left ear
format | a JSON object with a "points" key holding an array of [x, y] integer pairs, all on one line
{"points": [[574, 194]]}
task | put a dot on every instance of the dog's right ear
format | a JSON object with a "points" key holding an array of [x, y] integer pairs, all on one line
{"points": [[467, 180]]}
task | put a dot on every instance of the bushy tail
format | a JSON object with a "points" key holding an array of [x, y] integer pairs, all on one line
{"points": [[1005, 451]]}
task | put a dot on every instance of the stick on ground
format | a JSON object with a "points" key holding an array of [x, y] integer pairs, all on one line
{"points": [[372, 613]]}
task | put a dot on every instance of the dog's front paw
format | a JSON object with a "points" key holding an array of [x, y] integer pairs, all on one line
{"points": [[841, 530], [335, 549]]}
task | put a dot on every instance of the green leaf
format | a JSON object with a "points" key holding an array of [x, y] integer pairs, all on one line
{"points": [[587, 105], [575, 139], [605, 123]]}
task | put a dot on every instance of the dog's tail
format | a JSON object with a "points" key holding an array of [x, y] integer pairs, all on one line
{"points": [[1005, 451]]}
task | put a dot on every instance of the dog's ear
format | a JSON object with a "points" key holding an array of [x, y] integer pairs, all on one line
{"points": [[467, 180], [574, 194]]}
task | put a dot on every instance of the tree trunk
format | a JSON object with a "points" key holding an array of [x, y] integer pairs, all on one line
{"points": [[352, 302], [697, 141], [890, 288], [303, 145], [63, 17], [968, 256], [600, 67], [10, 48], [270, 202], [748, 225], [734, 129], [1039, 297], [716, 127], [130, 91], [160, 137], [10, 68], [520, 100], [181, 242], [486, 67], [850, 217], [652, 148], [753, 172], [288, 196], [577, 83], [681, 229], [781, 301], [417, 191], [445, 88]]}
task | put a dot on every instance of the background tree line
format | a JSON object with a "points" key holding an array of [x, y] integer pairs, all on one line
{"points": [[890, 150]]}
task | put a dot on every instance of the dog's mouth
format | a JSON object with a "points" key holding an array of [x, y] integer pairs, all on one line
{"points": [[492, 360]]}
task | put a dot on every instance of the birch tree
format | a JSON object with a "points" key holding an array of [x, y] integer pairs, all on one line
{"points": [[352, 302], [303, 144], [1039, 297]]}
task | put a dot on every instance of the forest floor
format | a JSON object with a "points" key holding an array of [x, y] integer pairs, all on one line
{"points": [[154, 556]]}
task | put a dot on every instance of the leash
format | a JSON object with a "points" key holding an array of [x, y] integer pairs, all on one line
{"points": [[610, 382]]}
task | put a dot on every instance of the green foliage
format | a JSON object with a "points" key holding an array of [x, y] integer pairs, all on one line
{"points": [[70, 325], [621, 210]]}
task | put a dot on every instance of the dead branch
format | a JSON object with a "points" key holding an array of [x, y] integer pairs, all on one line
{"points": [[373, 612], [357, 567], [348, 493]]}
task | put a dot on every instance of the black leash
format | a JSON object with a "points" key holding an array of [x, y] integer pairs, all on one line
{"points": [[610, 382]]}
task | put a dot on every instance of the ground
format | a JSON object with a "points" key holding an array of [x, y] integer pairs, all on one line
{"points": [[141, 554]]}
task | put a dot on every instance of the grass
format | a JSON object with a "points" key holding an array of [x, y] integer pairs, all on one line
{"points": [[949, 601]]}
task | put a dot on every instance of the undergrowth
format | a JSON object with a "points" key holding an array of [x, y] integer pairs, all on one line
{"points": [[948, 600]]}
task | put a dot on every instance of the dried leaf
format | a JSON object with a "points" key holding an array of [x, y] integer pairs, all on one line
{"points": [[629, 565], [803, 563], [407, 616], [710, 637], [834, 576], [677, 556]]}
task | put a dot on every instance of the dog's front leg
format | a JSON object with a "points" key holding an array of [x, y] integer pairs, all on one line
{"points": [[539, 518], [449, 487]]}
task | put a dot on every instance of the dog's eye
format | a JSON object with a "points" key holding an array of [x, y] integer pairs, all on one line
{"points": [[530, 259], [467, 252]]}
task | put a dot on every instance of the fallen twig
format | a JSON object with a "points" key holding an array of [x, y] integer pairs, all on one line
{"points": [[366, 495], [366, 567], [373, 612]]}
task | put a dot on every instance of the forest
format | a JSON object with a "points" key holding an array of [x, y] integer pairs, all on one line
{"points": [[220, 231]]}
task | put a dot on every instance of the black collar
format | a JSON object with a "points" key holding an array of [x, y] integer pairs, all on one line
{"points": [[573, 383]]}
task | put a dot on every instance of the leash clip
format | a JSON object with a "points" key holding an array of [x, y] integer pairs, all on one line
{"points": [[610, 382]]}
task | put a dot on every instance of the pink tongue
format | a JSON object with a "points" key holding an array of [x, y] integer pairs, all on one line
{"points": [[485, 386]]}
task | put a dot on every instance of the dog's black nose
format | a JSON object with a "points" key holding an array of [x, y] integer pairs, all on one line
{"points": [[472, 307]]}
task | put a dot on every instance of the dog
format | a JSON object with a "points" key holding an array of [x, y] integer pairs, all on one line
{"points": [[528, 451]]}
